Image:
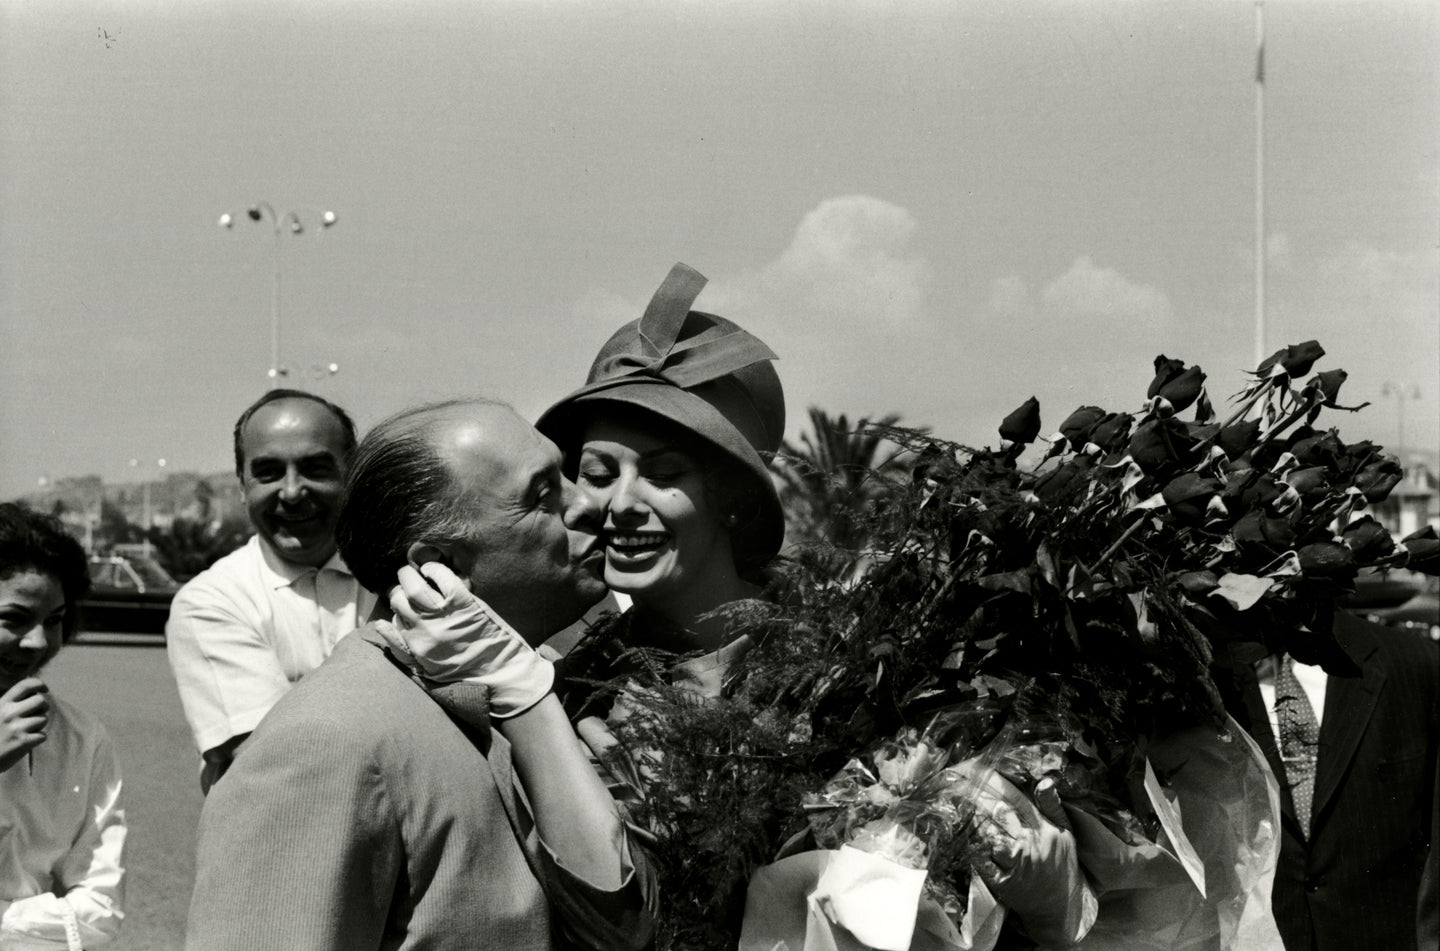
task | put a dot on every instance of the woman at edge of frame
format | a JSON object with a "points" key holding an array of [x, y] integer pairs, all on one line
{"points": [[62, 828]]}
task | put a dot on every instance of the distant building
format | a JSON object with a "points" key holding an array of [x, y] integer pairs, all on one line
{"points": [[87, 505], [1415, 502]]}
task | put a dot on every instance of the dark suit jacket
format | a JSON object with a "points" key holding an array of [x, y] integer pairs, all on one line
{"points": [[1357, 882]]}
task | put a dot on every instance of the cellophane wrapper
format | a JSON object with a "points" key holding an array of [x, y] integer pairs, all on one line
{"points": [[1189, 866]]}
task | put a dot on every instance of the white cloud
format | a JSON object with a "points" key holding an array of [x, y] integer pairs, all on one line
{"points": [[1358, 274], [1094, 294], [1377, 313], [849, 263], [1010, 297]]}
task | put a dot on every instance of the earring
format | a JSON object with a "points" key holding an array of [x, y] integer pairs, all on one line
{"points": [[731, 520]]}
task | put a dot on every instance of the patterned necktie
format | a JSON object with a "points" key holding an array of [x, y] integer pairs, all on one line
{"points": [[1299, 740]]}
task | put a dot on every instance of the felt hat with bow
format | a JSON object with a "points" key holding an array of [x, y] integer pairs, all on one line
{"points": [[704, 374]]}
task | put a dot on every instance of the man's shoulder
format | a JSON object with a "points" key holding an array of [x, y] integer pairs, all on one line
{"points": [[240, 567], [357, 683], [1395, 645], [357, 706]]}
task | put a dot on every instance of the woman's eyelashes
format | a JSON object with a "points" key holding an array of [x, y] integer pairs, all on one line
{"points": [[595, 475], [663, 469], [667, 467]]}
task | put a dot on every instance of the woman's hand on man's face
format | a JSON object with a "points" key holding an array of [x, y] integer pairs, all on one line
{"points": [[450, 635], [24, 713]]}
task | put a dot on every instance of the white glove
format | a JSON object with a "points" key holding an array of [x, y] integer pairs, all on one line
{"points": [[451, 636], [1034, 867]]}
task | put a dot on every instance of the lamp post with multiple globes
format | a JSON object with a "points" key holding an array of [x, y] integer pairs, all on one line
{"points": [[290, 222], [1401, 392], [145, 496]]}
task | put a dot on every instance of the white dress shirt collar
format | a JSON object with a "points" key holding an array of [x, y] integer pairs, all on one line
{"points": [[282, 574]]}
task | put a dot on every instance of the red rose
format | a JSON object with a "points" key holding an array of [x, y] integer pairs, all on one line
{"points": [[1261, 490], [1295, 360], [1184, 389], [1079, 424], [1161, 445], [1327, 560], [1257, 528], [1236, 439], [1368, 539], [1324, 449], [1112, 431], [1062, 481], [1022, 425], [1378, 478], [1424, 549], [1178, 385], [1329, 383], [1313, 480], [1188, 495], [1166, 370]]}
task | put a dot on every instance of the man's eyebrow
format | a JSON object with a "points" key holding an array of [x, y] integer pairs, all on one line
{"points": [[322, 456], [541, 479]]}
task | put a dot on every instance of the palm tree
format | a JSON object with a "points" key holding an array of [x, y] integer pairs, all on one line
{"points": [[830, 479]]}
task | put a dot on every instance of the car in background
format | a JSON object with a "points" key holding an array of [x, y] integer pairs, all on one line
{"points": [[129, 594], [1401, 599]]}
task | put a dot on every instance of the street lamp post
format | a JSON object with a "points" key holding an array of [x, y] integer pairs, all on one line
{"points": [[145, 504], [291, 222], [1401, 392], [319, 372]]}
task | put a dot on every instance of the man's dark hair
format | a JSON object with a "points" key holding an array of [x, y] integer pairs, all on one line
{"points": [[398, 492], [272, 396], [38, 542]]}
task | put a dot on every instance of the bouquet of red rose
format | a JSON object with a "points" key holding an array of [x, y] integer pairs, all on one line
{"points": [[1024, 641]]}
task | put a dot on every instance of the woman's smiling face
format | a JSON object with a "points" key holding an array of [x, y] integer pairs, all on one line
{"points": [[663, 532]]}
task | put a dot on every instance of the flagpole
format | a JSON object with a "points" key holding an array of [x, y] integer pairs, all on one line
{"points": [[1261, 351]]}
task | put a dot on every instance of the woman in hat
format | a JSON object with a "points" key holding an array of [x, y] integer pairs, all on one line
{"points": [[62, 831], [671, 433]]}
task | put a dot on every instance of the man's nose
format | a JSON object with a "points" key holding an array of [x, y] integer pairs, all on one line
{"points": [[291, 486], [583, 509], [34, 638]]}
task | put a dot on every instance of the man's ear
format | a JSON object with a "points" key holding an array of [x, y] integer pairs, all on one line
{"points": [[421, 552], [452, 556]]}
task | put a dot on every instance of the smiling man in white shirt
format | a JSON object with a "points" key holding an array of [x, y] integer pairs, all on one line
{"points": [[242, 632]]}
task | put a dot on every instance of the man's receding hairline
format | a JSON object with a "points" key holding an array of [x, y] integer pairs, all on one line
{"points": [[346, 442], [292, 402], [457, 437], [422, 418], [427, 425]]}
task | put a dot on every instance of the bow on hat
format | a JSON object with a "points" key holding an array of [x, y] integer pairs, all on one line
{"points": [[657, 351]]}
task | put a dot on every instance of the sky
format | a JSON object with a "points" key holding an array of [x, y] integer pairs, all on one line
{"points": [[935, 209]]}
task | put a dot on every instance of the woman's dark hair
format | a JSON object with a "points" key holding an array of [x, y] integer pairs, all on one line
{"points": [[37, 542]]}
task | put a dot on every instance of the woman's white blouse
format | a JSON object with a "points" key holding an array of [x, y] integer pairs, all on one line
{"points": [[62, 835]]}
